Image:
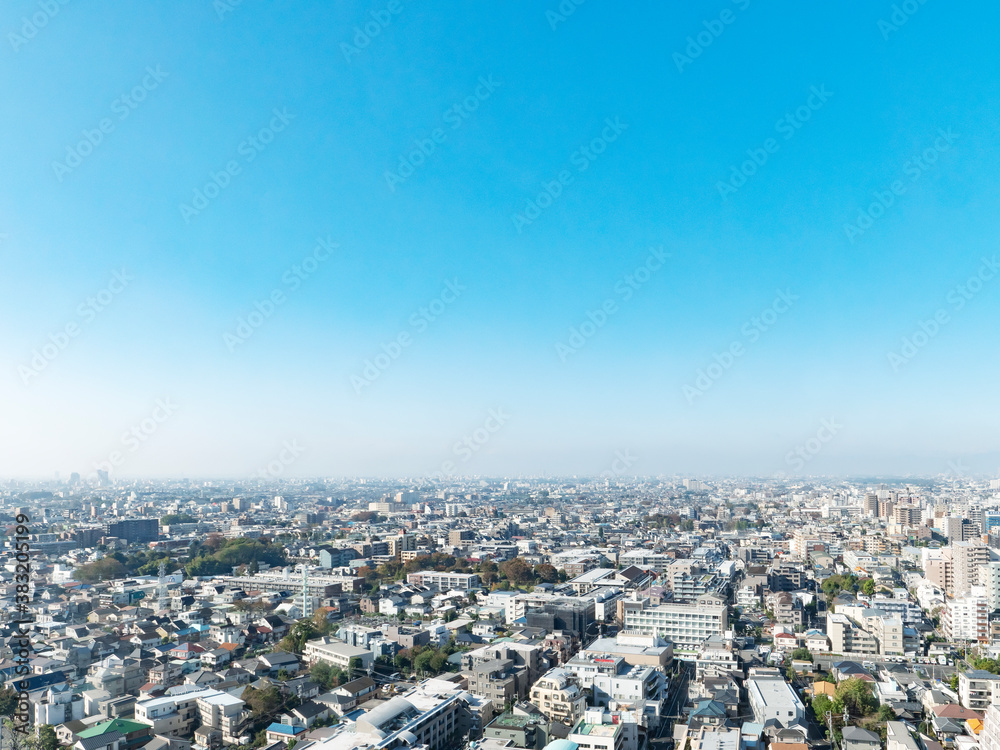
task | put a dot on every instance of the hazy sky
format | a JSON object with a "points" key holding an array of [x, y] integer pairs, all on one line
{"points": [[579, 238]]}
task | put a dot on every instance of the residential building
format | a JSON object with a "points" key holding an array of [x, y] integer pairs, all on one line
{"points": [[687, 626], [773, 698], [559, 696]]}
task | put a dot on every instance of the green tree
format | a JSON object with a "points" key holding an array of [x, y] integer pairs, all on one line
{"points": [[802, 654], [264, 702], [8, 701], [322, 674], [518, 572], [47, 738], [885, 713], [856, 696], [546, 573], [353, 667], [422, 662], [868, 587], [302, 631], [820, 705], [106, 569]]}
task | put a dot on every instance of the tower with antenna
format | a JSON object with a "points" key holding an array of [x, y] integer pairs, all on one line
{"points": [[162, 586], [306, 599]]}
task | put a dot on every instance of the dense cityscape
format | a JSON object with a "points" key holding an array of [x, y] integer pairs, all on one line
{"points": [[571, 375], [566, 614]]}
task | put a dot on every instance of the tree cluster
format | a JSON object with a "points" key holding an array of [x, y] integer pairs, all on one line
{"points": [[232, 553]]}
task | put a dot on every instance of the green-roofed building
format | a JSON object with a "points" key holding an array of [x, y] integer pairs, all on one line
{"points": [[132, 734]]}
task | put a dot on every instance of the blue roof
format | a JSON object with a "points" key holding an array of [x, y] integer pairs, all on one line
{"points": [[284, 728], [561, 745]]}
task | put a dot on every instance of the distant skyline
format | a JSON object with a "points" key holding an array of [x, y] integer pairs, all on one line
{"points": [[391, 239]]}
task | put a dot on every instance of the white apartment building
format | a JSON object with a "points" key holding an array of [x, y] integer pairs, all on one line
{"points": [[646, 560], [989, 737], [989, 579], [773, 698], [336, 653], [967, 618], [846, 637], [898, 737], [445, 581], [687, 626], [978, 689], [179, 713]]}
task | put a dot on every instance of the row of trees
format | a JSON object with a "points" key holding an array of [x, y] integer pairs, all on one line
{"points": [[215, 556], [218, 556], [514, 573], [425, 660], [328, 676], [835, 584], [142, 562]]}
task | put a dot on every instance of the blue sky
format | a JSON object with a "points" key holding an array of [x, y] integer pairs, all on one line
{"points": [[497, 106]]}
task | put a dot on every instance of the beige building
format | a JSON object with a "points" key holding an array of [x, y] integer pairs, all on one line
{"points": [[559, 697]]}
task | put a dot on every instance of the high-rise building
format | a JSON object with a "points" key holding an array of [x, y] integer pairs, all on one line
{"points": [[134, 530]]}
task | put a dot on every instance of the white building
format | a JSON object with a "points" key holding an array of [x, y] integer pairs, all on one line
{"points": [[336, 653], [967, 619], [686, 625], [773, 698]]}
